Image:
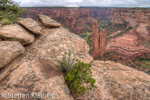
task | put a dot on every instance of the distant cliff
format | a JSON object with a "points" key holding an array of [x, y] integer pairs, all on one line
{"points": [[130, 44], [75, 20], [133, 16]]}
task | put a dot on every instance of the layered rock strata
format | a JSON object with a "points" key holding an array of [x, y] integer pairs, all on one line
{"points": [[134, 42], [130, 15]]}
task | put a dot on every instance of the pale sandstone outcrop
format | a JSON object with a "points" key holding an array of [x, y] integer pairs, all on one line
{"points": [[27, 74], [31, 24], [15, 32], [115, 81], [47, 21], [8, 51]]}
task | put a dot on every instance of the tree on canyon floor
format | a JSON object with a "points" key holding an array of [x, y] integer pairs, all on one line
{"points": [[10, 12]]}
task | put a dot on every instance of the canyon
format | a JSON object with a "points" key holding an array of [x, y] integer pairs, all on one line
{"points": [[139, 20], [76, 20], [134, 40], [127, 38], [30, 67]]}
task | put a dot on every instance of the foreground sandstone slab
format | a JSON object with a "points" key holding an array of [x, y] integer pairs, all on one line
{"points": [[115, 81], [15, 32], [8, 51], [47, 21], [31, 24], [28, 74]]}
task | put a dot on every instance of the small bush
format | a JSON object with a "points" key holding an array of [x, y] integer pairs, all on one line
{"points": [[80, 78], [67, 62], [5, 21], [78, 75]]}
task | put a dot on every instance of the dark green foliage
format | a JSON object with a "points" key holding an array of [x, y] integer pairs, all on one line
{"points": [[10, 10], [78, 75]]}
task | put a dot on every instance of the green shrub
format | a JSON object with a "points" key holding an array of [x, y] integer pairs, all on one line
{"points": [[67, 62], [5, 21], [10, 10], [78, 75]]}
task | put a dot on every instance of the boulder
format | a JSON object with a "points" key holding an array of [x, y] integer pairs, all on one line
{"points": [[31, 25], [15, 32], [8, 51], [115, 81], [47, 21]]}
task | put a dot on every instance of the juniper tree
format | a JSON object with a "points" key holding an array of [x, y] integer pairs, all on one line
{"points": [[10, 11]]}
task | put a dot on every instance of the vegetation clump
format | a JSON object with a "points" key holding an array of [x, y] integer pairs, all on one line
{"points": [[10, 12], [77, 74]]}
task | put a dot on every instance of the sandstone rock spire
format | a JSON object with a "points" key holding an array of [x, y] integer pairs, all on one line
{"points": [[98, 42], [102, 42], [95, 40]]}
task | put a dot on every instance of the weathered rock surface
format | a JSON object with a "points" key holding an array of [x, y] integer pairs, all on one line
{"points": [[28, 74], [115, 81], [15, 32], [8, 51], [31, 24], [48, 22]]}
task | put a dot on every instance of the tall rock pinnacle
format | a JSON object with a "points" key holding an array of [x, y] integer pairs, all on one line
{"points": [[98, 42], [95, 40], [102, 42]]}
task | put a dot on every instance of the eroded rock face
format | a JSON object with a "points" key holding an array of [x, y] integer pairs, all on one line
{"points": [[115, 81], [127, 45], [48, 22], [31, 24], [26, 73], [133, 16], [8, 51], [144, 30], [15, 32]]}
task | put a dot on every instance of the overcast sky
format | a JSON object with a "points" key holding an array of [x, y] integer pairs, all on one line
{"points": [[76, 3]]}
